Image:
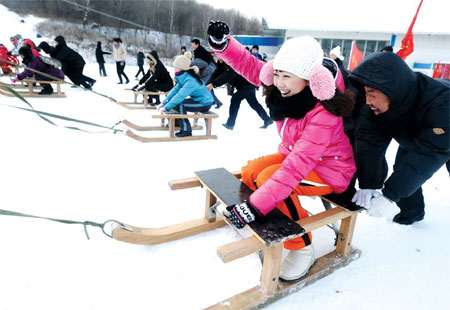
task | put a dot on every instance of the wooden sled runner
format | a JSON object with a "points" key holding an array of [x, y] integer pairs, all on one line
{"points": [[208, 116], [135, 105], [31, 89], [153, 128], [225, 188]]}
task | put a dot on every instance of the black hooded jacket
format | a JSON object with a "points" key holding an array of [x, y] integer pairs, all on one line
{"points": [[418, 119], [99, 53], [67, 56], [161, 78], [202, 53]]}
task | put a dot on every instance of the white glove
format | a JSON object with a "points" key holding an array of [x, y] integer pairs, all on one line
{"points": [[363, 196], [161, 107], [381, 207]]}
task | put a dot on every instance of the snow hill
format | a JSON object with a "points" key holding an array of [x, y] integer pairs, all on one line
{"points": [[56, 172]]}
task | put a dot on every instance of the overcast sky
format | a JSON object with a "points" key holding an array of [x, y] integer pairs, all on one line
{"points": [[373, 15]]}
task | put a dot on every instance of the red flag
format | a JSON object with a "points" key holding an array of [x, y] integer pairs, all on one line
{"points": [[356, 56], [407, 43], [437, 71]]}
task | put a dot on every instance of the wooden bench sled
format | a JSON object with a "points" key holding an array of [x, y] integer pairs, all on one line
{"points": [[264, 237], [31, 88], [135, 105], [171, 117]]}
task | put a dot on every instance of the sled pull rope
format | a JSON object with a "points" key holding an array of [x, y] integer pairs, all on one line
{"points": [[112, 223]]}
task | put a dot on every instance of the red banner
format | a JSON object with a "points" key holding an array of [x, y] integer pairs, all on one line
{"points": [[408, 41], [442, 71], [356, 56]]}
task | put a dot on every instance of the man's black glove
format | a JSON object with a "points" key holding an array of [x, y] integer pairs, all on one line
{"points": [[242, 214], [142, 88], [9, 53], [135, 87], [218, 32]]}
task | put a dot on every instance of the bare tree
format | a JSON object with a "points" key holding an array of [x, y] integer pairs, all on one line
{"points": [[86, 14]]}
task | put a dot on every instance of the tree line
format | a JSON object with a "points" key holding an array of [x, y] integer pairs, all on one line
{"points": [[182, 17]]}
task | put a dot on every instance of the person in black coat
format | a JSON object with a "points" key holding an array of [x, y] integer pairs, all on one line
{"points": [[201, 53], [100, 60], [140, 62], [51, 50], [156, 79], [245, 90], [72, 64], [411, 108]]}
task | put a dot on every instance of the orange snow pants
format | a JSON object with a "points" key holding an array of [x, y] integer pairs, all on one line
{"points": [[262, 168]]}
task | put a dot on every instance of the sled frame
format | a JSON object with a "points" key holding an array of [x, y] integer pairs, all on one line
{"points": [[270, 288], [135, 105], [30, 89], [171, 117]]}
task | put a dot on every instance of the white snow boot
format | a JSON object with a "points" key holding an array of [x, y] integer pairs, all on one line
{"points": [[297, 264]]}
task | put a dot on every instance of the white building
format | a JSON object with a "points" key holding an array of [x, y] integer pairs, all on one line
{"points": [[429, 48]]}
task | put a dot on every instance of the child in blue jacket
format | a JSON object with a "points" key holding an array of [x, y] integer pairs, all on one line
{"points": [[188, 84]]}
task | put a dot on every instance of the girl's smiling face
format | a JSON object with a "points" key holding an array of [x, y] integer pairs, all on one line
{"points": [[287, 83]]}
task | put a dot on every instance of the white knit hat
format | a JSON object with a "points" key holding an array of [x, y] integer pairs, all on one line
{"points": [[183, 62], [299, 56], [337, 52]]}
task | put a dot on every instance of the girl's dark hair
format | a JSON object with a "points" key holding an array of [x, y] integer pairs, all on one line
{"points": [[267, 90], [26, 52], [340, 105], [195, 75]]}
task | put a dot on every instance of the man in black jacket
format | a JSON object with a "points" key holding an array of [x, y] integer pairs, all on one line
{"points": [[245, 90], [414, 110], [201, 53], [140, 62], [72, 64], [100, 59]]}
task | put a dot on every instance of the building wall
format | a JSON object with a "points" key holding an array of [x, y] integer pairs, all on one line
{"points": [[428, 49]]}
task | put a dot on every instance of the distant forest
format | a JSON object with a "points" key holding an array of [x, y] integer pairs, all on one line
{"points": [[182, 17]]}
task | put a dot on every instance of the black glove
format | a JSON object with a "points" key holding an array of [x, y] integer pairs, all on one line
{"points": [[242, 214], [218, 32], [9, 53], [142, 88], [135, 87]]}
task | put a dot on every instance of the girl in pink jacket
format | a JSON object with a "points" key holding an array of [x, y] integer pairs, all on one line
{"points": [[314, 157]]}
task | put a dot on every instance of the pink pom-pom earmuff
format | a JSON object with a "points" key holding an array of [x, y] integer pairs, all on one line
{"points": [[322, 83], [266, 74]]}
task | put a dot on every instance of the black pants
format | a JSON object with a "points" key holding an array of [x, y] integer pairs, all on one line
{"points": [[153, 88], [101, 68], [141, 69], [75, 74], [189, 105], [414, 204], [248, 93], [120, 65]]}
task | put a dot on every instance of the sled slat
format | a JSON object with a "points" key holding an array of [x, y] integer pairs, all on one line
{"points": [[247, 246]]}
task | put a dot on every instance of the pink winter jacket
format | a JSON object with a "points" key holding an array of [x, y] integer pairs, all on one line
{"points": [[315, 142]]}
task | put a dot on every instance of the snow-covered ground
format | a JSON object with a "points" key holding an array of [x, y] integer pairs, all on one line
{"points": [[55, 172]]}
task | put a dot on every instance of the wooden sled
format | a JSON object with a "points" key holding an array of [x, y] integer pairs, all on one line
{"points": [[135, 105], [153, 128], [31, 86], [225, 188], [208, 116]]}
